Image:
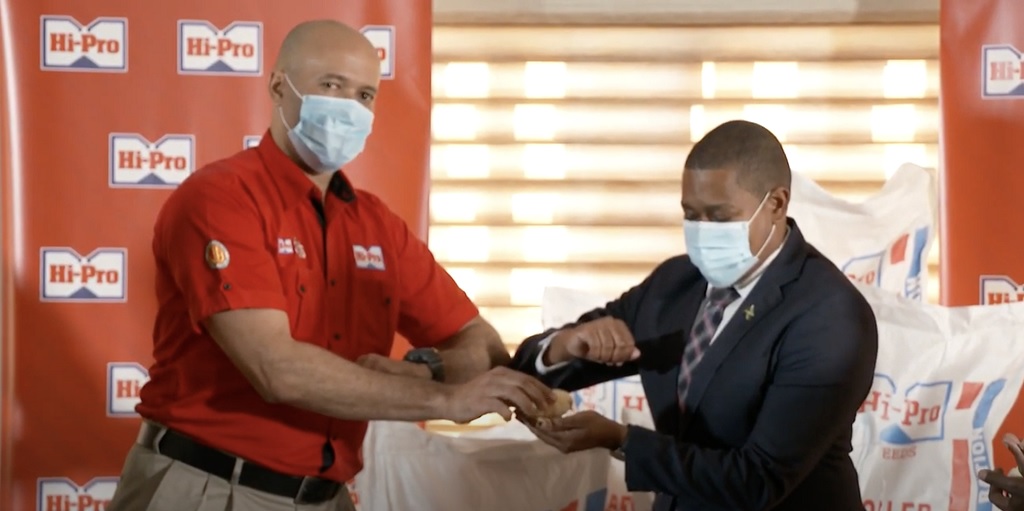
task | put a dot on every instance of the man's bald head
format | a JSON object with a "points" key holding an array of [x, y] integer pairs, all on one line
{"points": [[312, 38]]}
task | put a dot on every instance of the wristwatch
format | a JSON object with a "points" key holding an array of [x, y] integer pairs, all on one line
{"points": [[618, 454], [431, 358]]}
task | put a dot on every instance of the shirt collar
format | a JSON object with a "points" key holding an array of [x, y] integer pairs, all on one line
{"points": [[291, 180]]}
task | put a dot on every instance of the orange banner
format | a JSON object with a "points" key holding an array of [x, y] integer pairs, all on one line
{"points": [[982, 150], [106, 106]]}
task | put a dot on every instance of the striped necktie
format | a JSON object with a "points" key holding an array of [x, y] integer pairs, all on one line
{"points": [[700, 336]]}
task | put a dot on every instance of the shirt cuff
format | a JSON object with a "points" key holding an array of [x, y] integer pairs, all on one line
{"points": [[543, 368]]}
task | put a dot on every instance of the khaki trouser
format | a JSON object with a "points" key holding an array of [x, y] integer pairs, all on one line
{"points": [[154, 482]]}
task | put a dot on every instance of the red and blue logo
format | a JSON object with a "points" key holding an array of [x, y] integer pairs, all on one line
{"points": [[382, 37], [67, 276], [63, 494], [235, 50], [135, 162], [912, 287], [124, 382], [919, 413], [1002, 67], [999, 289], [99, 46]]}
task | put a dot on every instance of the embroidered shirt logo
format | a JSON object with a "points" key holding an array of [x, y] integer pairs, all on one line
{"points": [[368, 258], [285, 246]]}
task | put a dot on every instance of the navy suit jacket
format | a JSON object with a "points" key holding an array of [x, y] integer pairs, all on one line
{"points": [[771, 405]]}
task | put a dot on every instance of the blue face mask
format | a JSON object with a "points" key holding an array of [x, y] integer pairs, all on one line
{"points": [[721, 250], [331, 131]]}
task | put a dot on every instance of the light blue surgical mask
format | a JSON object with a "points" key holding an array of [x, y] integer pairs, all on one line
{"points": [[721, 250], [331, 131]]}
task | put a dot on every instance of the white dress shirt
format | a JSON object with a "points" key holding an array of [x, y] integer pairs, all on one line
{"points": [[743, 289]]}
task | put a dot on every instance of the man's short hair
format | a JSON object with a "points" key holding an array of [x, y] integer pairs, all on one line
{"points": [[747, 148]]}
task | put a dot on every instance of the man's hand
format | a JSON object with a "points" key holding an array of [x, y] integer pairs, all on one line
{"points": [[398, 367], [1017, 449], [605, 340], [578, 432], [495, 392], [1007, 492]]}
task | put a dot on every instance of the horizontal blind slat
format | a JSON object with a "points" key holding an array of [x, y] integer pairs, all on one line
{"points": [[807, 122], [685, 80], [466, 162], [681, 44]]}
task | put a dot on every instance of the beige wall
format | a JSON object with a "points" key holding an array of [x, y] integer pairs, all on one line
{"points": [[684, 11]]}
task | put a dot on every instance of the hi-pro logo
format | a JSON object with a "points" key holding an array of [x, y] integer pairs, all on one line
{"points": [[135, 162], [67, 276], [1002, 67], [250, 141], [382, 37], [67, 45], [62, 494], [236, 50], [368, 258], [124, 382], [865, 269], [905, 418], [997, 289], [909, 415]]}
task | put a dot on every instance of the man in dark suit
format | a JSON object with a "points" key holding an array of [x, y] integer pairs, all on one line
{"points": [[754, 350]]}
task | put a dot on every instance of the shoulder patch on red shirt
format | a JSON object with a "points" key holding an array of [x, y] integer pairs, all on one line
{"points": [[217, 256]]}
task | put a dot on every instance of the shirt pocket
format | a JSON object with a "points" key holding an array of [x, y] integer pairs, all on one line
{"points": [[375, 304], [304, 304]]}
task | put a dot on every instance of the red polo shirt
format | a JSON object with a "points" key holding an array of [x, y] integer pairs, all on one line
{"points": [[252, 231]]}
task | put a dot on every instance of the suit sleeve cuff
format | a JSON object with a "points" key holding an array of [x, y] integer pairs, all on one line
{"points": [[642, 451], [541, 367]]}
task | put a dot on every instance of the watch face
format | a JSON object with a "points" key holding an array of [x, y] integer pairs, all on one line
{"points": [[430, 358], [421, 355]]}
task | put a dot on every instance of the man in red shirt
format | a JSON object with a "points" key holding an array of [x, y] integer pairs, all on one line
{"points": [[280, 290]]}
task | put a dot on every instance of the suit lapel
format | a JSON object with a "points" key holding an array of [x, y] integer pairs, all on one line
{"points": [[765, 297]]}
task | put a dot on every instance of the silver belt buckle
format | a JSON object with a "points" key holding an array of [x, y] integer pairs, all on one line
{"points": [[300, 497], [150, 435]]}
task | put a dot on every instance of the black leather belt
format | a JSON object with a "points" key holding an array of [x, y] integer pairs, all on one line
{"points": [[304, 490]]}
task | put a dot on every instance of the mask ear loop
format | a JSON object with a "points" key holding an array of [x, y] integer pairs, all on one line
{"points": [[280, 110], [292, 86], [770, 232]]}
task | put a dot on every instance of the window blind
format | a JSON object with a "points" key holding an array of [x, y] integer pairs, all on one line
{"points": [[558, 150]]}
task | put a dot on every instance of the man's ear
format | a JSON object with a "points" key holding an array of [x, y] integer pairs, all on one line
{"points": [[779, 202], [276, 86]]}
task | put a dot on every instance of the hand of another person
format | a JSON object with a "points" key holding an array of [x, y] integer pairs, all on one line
{"points": [[391, 366], [1006, 492], [1017, 449], [605, 340], [496, 391], [578, 432]]}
